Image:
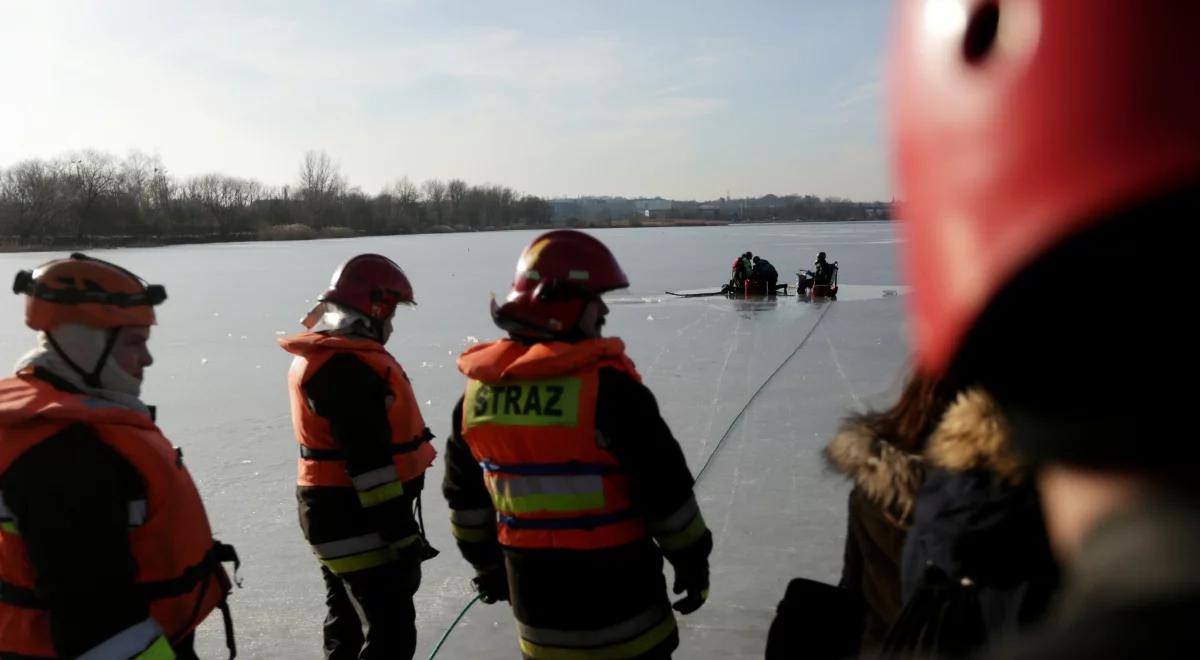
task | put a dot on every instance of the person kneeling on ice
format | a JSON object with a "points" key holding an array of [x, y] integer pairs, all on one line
{"points": [[105, 547], [566, 488], [763, 271], [364, 449]]}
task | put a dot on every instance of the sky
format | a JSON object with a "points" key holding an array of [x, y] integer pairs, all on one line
{"points": [[684, 100]]}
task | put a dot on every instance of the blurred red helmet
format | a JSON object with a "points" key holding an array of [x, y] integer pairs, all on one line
{"points": [[1016, 124], [557, 274], [370, 284]]}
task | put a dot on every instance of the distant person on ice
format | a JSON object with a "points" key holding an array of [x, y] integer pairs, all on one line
{"points": [[105, 547], [741, 270], [763, 271], [823, 271], [566, 488], [364, 449]]}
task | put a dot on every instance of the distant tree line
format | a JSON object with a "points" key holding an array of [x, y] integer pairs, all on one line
{"points": [[780, 208], [92, 197]]}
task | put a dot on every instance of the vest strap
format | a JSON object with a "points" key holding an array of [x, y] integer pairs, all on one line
{"points": [[17, 596], [574, 522], [310, 454]]}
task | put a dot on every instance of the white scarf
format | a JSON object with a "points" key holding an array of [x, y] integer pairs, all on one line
{"points": [[84, 345]]}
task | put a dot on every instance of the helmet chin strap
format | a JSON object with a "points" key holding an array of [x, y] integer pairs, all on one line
{"points": [[92, 378]]}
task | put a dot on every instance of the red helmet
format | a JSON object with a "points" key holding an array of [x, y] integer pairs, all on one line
{"points": [[1016, 123], [91, 292], [556, 275], [370, 284]]}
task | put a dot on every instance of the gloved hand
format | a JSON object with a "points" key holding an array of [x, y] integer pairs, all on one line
{"points": [[491, 585], [693, 580]]}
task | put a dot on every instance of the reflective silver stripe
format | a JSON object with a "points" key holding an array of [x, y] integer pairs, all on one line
{"points": [[584, 484], [5, 514], [127, 643], [350, 546], [472, 517], [613, 634], [677, 521], [376, 477], [137, 513]]}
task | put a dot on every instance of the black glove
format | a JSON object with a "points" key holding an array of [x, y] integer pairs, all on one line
{"points": [[693, 580], [491, 585]]}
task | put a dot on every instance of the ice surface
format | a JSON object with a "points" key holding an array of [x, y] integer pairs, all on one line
{"points": [[219, 382]]}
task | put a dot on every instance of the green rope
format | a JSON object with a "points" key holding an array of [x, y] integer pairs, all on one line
{"points": [[449, 630]]}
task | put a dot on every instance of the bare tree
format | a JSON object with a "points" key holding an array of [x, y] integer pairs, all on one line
{"points": [[456, 194], [135, 178], [435, 197], [94, 176], [321, 184], [225, 198], [32, 193]]}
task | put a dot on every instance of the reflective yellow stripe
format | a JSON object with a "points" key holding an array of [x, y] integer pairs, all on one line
{"points": [[405, 542], [473, 534], [141, 640], [369, 559], [534, 494], [676, 521], [375, 478], [359, 562], [627, 649], [547, 402], [384, 493], [683, 539], [473, 517], [9, 527], [159, 650]]}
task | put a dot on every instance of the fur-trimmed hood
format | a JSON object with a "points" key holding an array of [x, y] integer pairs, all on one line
{"points": [[887, 475], [973, 435]]}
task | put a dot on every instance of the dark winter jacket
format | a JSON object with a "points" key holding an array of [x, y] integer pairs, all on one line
{"points": [[886, 480], [1132, 590], [763, 270], [976, 563], [823, 272]]}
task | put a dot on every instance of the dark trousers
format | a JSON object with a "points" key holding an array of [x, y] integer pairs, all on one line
{"points": [[384, 599]]}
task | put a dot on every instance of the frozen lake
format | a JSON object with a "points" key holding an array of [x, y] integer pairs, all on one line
{"points": [[219, 383]]}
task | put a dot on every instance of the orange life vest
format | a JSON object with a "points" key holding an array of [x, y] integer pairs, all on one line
{"points": [[320, 463], [529, 419], [178, 562]]}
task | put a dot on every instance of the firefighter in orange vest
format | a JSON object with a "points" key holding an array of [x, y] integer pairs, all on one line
{"points": [[105, 548], [566, 488], [364, 449]]}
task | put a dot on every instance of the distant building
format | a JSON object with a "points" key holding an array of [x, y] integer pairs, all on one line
{"points": [[648, 206]]}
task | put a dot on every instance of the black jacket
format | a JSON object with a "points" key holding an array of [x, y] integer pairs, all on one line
{"points": [[763, 270], [976, 564]]}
